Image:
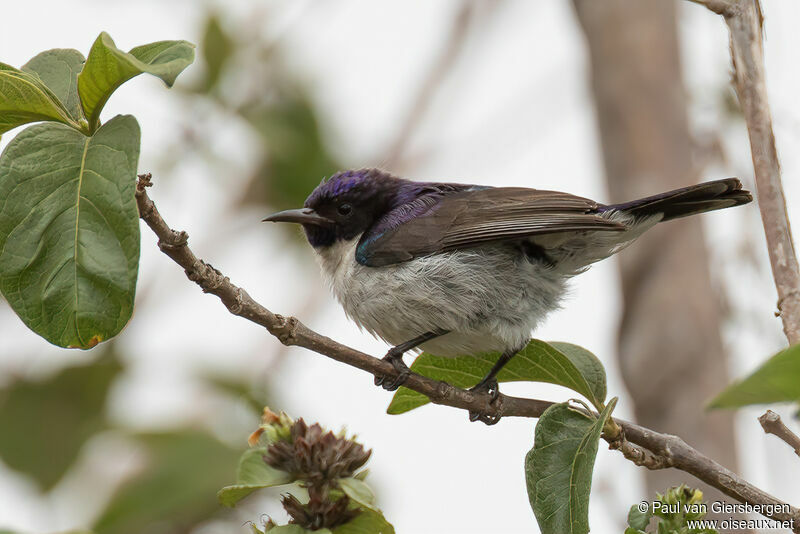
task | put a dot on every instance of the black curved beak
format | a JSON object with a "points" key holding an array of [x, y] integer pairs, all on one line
{"points": [[302, 216]]}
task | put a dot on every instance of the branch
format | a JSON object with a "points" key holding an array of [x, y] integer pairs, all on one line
{"points": [[665, 450], [726, 8], [641, 445], [772, 424], [744, 20]]}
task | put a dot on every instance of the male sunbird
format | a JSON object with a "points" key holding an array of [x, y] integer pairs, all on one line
{"points": [[458, 269]]}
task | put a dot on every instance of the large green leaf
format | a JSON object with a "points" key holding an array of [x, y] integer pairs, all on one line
{"points": [[45, 424], [556, 363], [175, 490], [253, 474], [108, 67], [777, 380], [558, 469], [588, 366], [367, 522], [25, 98], [58, 69], [69, 230]]}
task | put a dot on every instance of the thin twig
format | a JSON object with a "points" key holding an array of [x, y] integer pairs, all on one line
{"points": [[772, 424], [744, 19], [641, 445]]}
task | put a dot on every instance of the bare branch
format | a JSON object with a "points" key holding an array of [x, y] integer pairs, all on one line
{"points": [[673, 451], [641, 445], [744, 20], [639, 455], [726, 8], [772, 424]]}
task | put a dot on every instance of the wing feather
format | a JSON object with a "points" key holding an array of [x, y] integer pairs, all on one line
{"points": [[463, 219]]}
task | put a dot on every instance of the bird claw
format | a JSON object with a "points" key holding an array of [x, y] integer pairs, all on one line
{"points": [[403, 372], [493, 390], [398, 381], [486, 419]]}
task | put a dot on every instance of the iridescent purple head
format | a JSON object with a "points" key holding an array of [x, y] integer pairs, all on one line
{"points": [[344, 206]]}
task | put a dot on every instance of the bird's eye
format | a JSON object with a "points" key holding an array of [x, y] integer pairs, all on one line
{"points": [[345, 210]]}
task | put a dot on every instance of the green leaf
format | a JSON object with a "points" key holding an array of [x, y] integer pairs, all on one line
{"points": [[367, 522], [558, 469], [777, 380], [556, 363], [590, 368], [44, 424], [69, 230], [25, 98], [293, 529], [216, 48], [108, 67], [637, 519], [58, 69], [175, 489], [253, 474], [358, 491]]}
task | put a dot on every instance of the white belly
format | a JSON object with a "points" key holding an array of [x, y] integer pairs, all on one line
{"points": [[488, 298]]}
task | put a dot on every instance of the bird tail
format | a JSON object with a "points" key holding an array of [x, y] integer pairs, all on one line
{"points": [[691, 200]]}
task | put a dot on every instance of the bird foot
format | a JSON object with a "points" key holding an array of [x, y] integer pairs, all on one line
{"points": [[493, 389], [403, 372]]}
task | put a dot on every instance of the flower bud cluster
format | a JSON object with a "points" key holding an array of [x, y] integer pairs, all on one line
{"points": [[318, 459]]}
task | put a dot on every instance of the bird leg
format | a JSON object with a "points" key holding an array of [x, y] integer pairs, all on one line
{"points": [[488, 384], [395, 357]]}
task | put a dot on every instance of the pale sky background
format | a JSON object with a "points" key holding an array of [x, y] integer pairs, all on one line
{"points": [[515, 111]]}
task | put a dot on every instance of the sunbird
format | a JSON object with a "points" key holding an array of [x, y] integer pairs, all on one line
{"points": [[458, 269]]}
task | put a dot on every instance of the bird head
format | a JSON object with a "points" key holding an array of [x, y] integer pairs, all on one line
{"points": [[344, 206]]}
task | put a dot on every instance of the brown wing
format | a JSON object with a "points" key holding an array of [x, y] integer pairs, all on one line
{"points": [[470, 218]]}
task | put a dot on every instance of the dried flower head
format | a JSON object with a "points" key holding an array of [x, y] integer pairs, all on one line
{"points": [[321, 511], [316, 456]]}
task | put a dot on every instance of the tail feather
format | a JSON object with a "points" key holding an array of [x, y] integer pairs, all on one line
{"points": [[691, 200]]}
